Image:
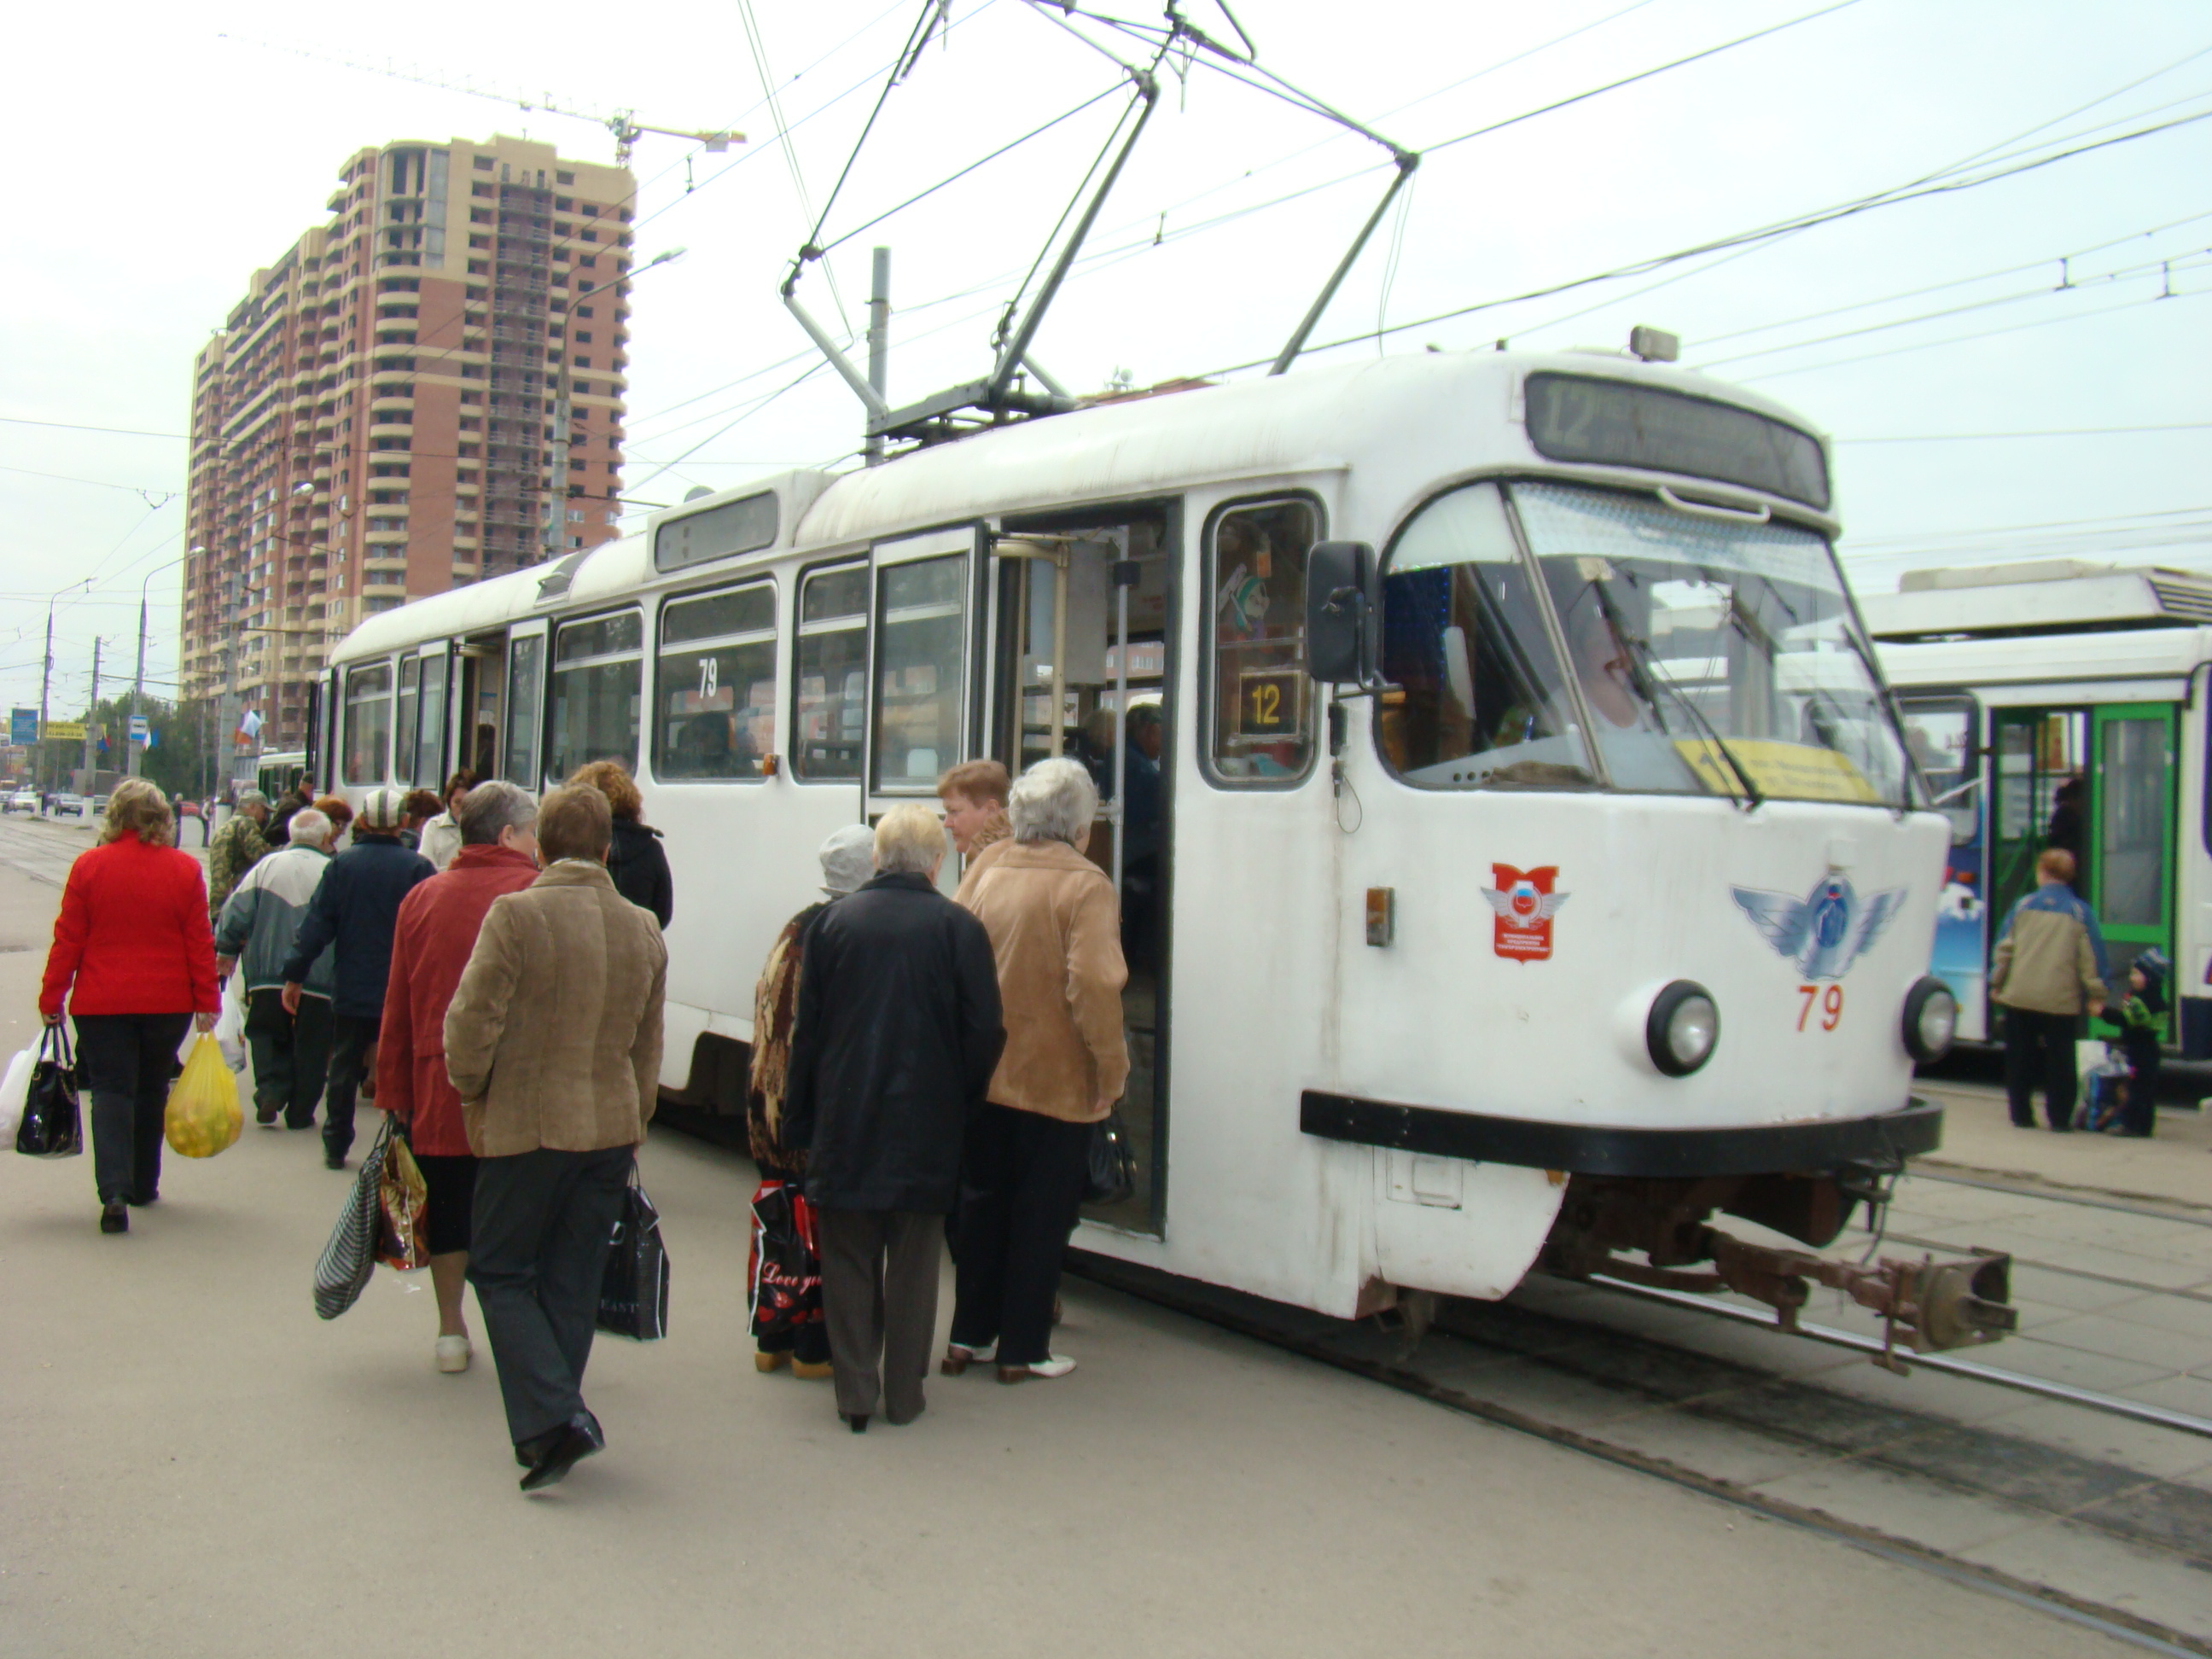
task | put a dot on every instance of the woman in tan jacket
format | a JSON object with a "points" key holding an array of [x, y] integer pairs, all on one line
{"points": [[1056, 930], [553, 1044]]}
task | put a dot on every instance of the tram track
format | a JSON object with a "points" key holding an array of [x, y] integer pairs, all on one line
{"points": [[1654, 1378]]}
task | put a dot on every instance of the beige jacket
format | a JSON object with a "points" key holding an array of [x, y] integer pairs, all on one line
{"points": [[2046, 957], [1056, 932], [553, 1037]]}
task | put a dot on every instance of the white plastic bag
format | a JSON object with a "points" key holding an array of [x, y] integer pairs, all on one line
{"points": [[15, 1089], [230, 1024]]}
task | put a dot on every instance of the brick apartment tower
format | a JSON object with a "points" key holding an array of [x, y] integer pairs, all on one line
{"points": [[375, 420]]}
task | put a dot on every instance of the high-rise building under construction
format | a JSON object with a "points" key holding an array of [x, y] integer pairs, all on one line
{"points": [[376, 419]]}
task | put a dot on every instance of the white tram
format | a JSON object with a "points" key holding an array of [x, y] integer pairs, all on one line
{"points": [[1585, 893]]}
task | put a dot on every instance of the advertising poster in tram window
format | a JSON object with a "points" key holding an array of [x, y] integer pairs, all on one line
{"points": [[1961, 955], [1525, 902]]}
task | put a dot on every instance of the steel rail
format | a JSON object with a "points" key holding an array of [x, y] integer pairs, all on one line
{"points": [[2145, 1205], [1950, 1365]]}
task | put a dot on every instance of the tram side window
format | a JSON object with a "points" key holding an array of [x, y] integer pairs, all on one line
{"points": [[715, 684], [525, 668], [830, 709], [402, 759], [924, 621], [368, 723], [430, 742], [597, 691], [1463, 633], [1261, 725]]}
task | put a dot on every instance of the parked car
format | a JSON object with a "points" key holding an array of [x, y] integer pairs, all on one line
{"points": [[21, 800], [67, 805]]}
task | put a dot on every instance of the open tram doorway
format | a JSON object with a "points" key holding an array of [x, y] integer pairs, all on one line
{"points": [[2099, 781], [1081, 611]]}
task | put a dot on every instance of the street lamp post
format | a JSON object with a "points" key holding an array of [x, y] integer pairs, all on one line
{"points": [[46, 674], [133, 753]]}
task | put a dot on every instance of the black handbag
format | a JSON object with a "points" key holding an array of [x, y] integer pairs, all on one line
{"points": [[52, 1125], [633, 1288], [1111, 1177]]}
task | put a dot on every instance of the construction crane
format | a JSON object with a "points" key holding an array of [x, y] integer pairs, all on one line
{"points": [[623, 122]]}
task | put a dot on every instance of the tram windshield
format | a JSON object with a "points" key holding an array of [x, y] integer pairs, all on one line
{"points": [[1694, 654]]}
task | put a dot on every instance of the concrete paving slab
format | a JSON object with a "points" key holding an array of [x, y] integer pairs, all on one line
{"points": [[1903, 1506], [2189, 1393], [2169, 1454], [2148, 1344], [2135, 1578]]}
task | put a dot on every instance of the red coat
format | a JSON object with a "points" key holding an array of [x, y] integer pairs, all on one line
{"points": [[431, 944], [132, 934]]}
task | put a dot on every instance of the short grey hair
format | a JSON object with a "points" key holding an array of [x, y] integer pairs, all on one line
{"points": [[909, 841], [1054, 800], [491, 808], [307, 826]]}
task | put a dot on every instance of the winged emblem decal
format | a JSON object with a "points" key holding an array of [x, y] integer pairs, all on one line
{"points": [[1827, 930]]}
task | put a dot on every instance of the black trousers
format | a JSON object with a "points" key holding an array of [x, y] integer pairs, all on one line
{"points": [[125, 1063], [2040, 1048], [350, 1038], [879, 1303], [1022, 1176], [2139, 1115], [291, 1053], [538, 1252]]}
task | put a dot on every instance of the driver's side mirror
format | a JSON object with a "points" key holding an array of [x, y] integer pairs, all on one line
{"points": [[1343, 613]]}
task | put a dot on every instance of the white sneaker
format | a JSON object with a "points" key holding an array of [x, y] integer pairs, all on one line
{"points": [[1056, 1365], [453, 1353]]}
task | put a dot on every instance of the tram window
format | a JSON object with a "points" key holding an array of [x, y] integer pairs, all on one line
{"points": [[596, 688], [430, 743], [525, 666], [402, 758], [1711, 655], [1463, 633], [2134, 765], [830, 710], [715, 684], [1261, 725], [924, 620], [1939, 735], [368, 723]]}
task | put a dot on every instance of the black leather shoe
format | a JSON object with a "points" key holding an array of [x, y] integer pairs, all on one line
{"points": [[114, 1219], [573, 1442], [140, 1199], [527, 1452], [333, 1160], [858, 1422]]}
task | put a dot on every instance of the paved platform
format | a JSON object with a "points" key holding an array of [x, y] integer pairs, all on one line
{"points": [[196, 1465]]}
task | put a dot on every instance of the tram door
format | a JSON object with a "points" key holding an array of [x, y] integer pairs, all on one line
{"points": [[922, 717], [2098, 783], [2131, 829], [1080, 669]]}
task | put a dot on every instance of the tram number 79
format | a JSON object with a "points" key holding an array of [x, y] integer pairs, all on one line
{"points": [[1831, 1002]]}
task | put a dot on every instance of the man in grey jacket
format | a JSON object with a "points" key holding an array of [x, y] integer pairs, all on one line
{"points": [[255, 932], [2049, 969]]}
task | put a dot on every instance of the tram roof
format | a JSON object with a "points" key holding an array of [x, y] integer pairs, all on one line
{"points": [[2047, 597], [1408, 411]]}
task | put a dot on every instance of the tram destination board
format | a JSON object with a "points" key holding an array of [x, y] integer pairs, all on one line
{"points": [[1617, 423]]}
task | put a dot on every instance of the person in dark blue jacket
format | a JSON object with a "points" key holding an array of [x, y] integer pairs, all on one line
{"points": [[355, 907]]}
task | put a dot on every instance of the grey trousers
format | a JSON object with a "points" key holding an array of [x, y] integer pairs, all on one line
{"points": [[537, 1250], [879, 1301]]}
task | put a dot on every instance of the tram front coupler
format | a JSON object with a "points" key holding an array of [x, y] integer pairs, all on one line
{"points": [[1926, 1305]]}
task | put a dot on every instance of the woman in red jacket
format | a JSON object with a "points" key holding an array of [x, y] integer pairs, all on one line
{"points": [[436, 931], [134, 958]]}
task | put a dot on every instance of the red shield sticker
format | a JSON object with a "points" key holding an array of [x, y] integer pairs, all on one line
{"points": [[1525, 903]]}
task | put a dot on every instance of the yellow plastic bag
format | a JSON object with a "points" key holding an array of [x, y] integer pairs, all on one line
{"points": [[204, 1116]]}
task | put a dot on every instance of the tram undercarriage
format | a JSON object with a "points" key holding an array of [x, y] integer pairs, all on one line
{"points": [[1925, 1305]]}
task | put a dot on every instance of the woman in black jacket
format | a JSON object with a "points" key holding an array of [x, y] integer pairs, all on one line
{"points": [[896, 1033], [635, 861]]}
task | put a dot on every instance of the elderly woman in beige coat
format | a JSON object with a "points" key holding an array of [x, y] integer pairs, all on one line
{"points": [[553, 1043], [1056, 930]]}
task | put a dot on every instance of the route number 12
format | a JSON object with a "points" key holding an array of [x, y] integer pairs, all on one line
{"points": [[1832, 1005]]}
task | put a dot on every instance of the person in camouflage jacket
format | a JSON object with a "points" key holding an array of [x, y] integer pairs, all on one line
{"points": [[237, 848]]}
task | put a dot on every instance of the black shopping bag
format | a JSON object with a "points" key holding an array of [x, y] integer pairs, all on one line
{"points": [[1110, 1172], [634, 1290], [786, 1272], [52, 1127]]}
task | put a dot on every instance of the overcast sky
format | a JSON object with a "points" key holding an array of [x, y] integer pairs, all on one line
{"points": [[168, 151]]}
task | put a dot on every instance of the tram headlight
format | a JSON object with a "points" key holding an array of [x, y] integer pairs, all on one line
{"points": [[1931, 1018], [1682, 1028]]}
